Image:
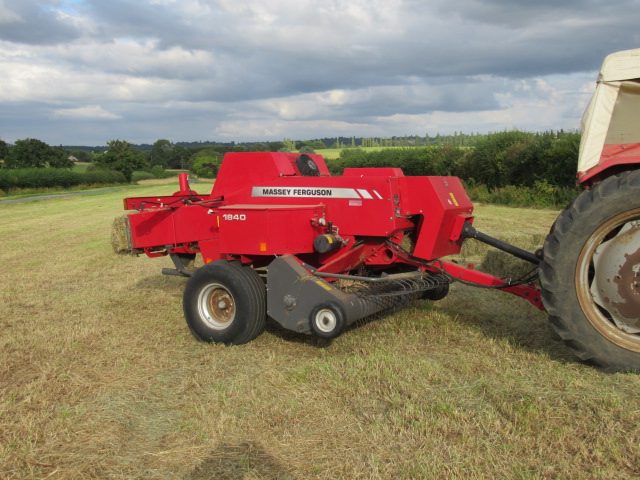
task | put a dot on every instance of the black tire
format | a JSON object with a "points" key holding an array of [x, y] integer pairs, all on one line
{"points": [[597, 312], [440, 291], [225, 302], [327, 320]]}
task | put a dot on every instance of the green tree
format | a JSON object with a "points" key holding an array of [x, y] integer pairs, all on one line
{"points": [[4, 152], [562, 159], [33, 153], [122, 157], [289, 145], [207, 166], [81, 155], [27, 153], [161, 153], [60, 158], [306, 149], [179, 157]]}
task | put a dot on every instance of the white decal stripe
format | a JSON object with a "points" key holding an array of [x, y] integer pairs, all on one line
{"points": [[377, 194], [365, 194], [304, 192]]}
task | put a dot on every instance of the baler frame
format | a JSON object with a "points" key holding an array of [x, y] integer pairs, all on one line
{"points": [[299, 228]]}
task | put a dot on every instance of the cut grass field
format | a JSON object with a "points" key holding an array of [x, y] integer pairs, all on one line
{"points": [[333, 153], [100, 377]]}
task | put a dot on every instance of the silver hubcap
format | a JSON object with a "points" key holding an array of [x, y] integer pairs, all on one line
{"points": [[216, 306], [616, 283], [326, 320], [608, 280]]}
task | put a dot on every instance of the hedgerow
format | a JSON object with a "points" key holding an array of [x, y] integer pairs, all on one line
{"points": [[55, 177], [509, 168]]}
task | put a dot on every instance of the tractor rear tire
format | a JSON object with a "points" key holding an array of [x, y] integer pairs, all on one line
{"points": [[225, 302], [590, 274]]}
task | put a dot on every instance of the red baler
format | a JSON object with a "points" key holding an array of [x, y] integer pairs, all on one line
{"points": [[281, 237]]}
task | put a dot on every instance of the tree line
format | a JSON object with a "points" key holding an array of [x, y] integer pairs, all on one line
{"points": [[495, 160]]}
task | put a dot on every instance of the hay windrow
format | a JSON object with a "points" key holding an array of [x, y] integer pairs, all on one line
{"points": [[499, 263], [505, 266]]}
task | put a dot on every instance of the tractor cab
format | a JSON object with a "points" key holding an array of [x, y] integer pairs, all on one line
{"points": [[610, 127]]}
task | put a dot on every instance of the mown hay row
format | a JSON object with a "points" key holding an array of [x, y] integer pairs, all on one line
{"points": [[499, 263]]}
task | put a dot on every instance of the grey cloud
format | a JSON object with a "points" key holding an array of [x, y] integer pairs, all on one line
{"points": [[32, 22], [409, 57]]}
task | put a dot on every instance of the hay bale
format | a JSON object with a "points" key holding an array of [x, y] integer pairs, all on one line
{"points": [[499, 263], [473, 249], [503, 265], [120, 235]]}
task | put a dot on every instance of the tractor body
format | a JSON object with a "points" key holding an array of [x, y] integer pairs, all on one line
{"points": [[590, 273]]}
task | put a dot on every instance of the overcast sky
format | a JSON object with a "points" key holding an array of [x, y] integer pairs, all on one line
{"points": [[83, 72]]}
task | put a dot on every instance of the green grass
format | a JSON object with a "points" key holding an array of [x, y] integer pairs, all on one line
{"points": [[80, 166], [100, 377]]}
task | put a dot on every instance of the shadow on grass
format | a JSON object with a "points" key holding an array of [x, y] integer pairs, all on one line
{"points": [[240, 461], [313, 340], [282, 333], [500, 316]]}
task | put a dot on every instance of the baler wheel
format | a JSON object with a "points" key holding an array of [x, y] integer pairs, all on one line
{"points": [[438, 293], [225, 302], [590, 274], [327, 320]]}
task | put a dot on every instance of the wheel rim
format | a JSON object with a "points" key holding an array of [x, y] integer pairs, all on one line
{"points": [[216, 306], [608, 279], [326, 320]]}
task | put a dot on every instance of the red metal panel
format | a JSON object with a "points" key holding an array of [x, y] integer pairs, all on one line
{"points": [[441, 201], [152, 228], [268, 230], [171, 226], [612, 156], [373, 172], [240, 170]]}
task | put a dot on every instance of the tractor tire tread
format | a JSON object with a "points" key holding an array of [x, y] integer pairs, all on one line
{"points": [[557, 283]]}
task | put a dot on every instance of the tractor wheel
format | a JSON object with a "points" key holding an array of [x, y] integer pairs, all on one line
{"points": [[225, 302], [590, 274], [327, 320]]}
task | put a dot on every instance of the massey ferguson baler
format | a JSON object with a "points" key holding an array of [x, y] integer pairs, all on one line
{"points": [[280, 237]]}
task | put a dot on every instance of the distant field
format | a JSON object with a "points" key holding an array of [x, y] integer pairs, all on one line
{"points": [[100, 377], [80, 166], [332, 153]]}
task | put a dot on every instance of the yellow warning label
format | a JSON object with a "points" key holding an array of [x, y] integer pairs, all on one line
{"points": [[323, 285], [453, 197]]}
